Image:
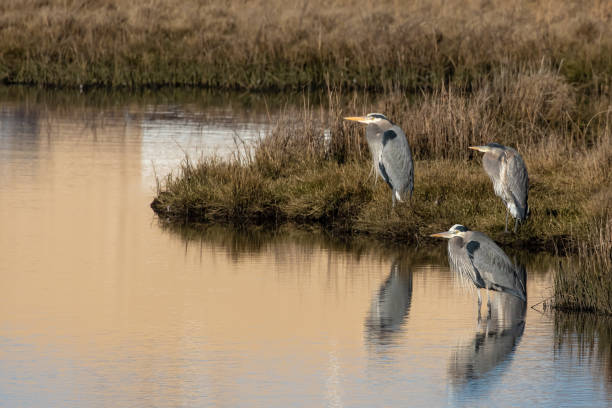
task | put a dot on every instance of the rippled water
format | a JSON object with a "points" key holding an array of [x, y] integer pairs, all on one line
{"points": [[101, 305]]}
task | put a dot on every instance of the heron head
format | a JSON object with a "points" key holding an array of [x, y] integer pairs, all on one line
{"points": [[456, 230], [370, 118], [491, 147]]}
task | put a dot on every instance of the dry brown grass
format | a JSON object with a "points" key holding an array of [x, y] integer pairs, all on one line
{"points": [[289, 45], [313, 167]]}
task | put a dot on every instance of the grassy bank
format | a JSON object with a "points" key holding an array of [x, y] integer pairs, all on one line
{"points": [[340, 197], [275, 45], [313, 167]]}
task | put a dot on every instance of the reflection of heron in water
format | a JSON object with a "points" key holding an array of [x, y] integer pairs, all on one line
{"points": [[493, 343], [390, 306]]}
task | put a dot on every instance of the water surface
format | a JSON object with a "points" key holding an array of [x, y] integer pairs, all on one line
{"points": [[103, 305]]}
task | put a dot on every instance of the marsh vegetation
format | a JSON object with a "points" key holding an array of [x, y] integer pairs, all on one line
{"points": [[279, 45], [313, 167], [536, 76]]}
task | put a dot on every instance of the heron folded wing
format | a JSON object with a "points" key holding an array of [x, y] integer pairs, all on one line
{"points": [[494, 266], [517, 181], [470, 248], [396, 159], [384, 174]]}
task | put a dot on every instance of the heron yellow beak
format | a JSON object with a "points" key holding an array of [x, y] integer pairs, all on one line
{"points": [[445, 234], [361, 119], [483, 149]]}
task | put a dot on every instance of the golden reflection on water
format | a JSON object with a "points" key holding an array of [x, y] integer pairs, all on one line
{"points": [[99, 305]]}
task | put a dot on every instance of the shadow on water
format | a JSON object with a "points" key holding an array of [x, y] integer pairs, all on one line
{"points": [[479, 362], [588, 338], [390, 306], [243, 241], [192, 100]]}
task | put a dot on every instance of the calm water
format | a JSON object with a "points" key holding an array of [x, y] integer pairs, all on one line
{"points": [[101, 305]]}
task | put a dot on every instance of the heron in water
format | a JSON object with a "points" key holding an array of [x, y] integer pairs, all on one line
{"points": [[507, 171], [477, 259], [391, 156]]}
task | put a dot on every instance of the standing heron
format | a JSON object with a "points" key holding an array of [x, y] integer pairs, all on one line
{"points": [[391, 156], [507, 171], [477, 259]]}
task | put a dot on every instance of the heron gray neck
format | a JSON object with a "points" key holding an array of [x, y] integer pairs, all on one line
{"points": [[491, 161], [455, 243], [380, 127], [374, 137]]}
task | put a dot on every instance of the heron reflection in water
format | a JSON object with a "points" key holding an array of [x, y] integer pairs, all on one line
{"points": [[390, 305], [478, 261], [507, 171], [391, 155], [492, 345]]}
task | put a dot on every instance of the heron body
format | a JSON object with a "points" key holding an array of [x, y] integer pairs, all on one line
{"points": [[506, 169], [391, 155], [477, 259]]}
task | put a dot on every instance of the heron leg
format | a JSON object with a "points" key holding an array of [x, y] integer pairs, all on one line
{"points": [[373, 172], [516, 224], [506, 229], [479, 304], [488, 305]]}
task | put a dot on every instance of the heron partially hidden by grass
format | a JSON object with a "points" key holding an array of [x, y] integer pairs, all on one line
{"points": [[391, 156], [507, 171], [477, 259]]}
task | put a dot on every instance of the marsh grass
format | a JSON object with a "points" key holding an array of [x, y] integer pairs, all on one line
{"points": [[279, 45], [313, 167]]}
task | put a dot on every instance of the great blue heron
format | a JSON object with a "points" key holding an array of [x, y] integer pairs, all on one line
{"points": [[391, 156], [507, 171], [477, 259]]}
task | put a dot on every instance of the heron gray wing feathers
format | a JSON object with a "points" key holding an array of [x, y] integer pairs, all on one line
{"points": [[491, 262], [396, 160], [514, 174], [462, 264], [383, 173]]}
